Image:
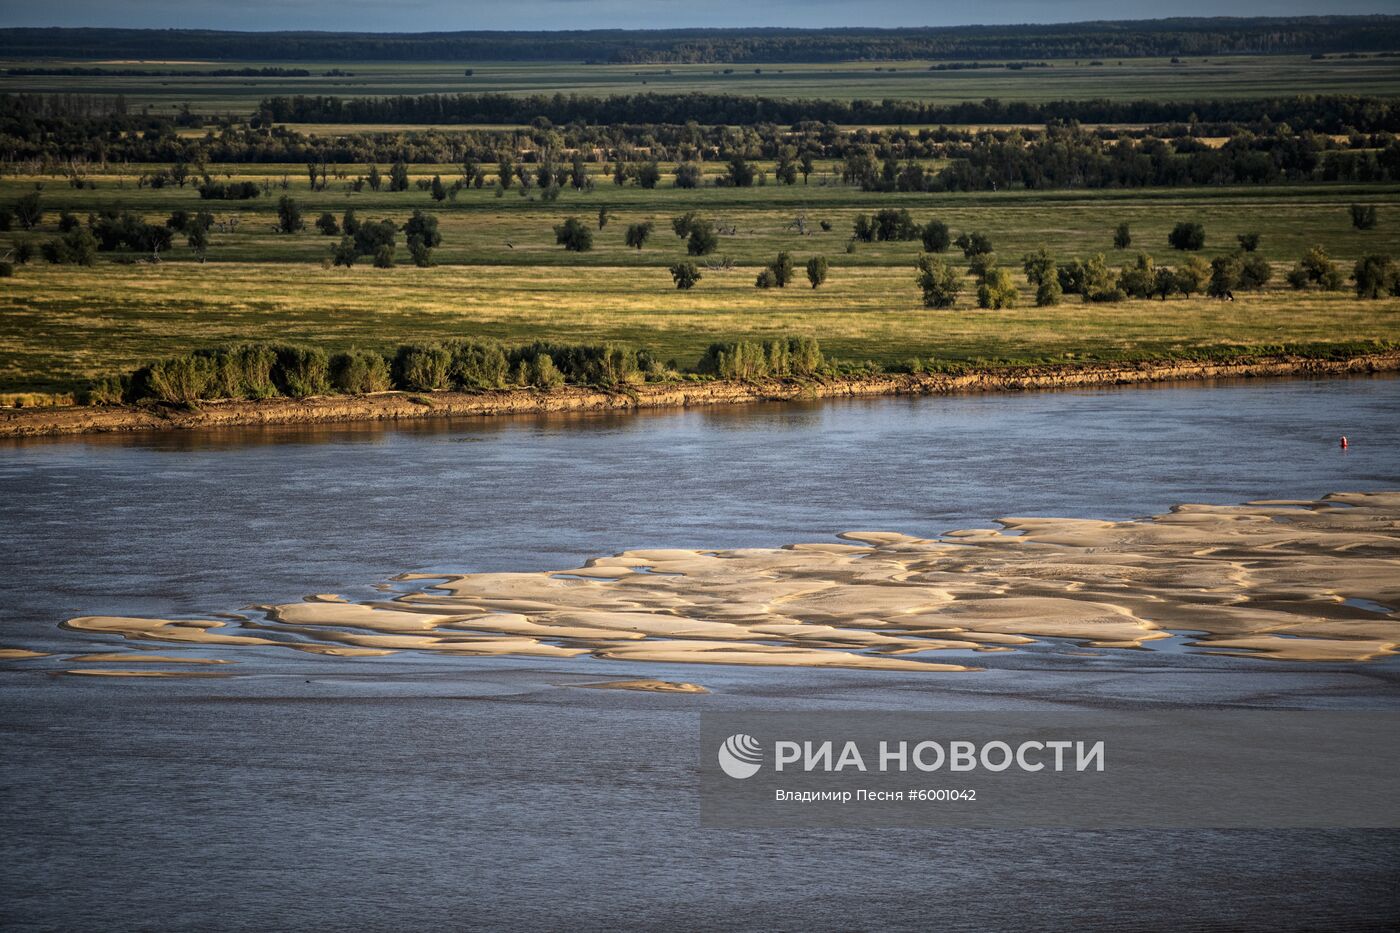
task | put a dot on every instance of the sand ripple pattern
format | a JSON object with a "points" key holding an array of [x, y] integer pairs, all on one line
{"points": [[1287, 580]]}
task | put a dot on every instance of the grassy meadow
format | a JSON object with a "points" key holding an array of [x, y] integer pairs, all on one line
{"points": [[499, 274], [1225, 76]]}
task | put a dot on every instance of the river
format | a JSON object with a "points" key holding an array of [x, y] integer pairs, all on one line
{"points": [[479, 792]]}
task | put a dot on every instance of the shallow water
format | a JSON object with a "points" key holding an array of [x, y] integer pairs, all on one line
{"points": [[466, 792]]}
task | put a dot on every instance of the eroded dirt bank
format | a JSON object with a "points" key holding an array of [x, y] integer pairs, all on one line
{"points": [[399, 405]]}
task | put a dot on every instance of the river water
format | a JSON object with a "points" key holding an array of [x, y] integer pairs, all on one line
{"points": [[479, 792]]}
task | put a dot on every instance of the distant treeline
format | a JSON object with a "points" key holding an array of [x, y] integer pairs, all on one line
{"points": [[85, 72], [1332, 113], [1121, 39]]}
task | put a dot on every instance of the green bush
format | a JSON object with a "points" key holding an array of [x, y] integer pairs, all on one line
{"points": [[109, 390], [177, 380], [359, 372], [938, 281], [422, 367], [1187, 235], [685, 275], [742, 359], [817, 268], [301, 371], [477, 364]]}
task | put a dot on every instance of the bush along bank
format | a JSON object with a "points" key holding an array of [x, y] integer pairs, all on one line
{"points": [[252, 371]]}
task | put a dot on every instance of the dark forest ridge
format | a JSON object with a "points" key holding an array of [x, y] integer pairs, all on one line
{"points": [[1116, 39]]}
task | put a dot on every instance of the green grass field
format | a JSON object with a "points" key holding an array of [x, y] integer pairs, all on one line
{"points": [[499, 274], [1239, 76]]}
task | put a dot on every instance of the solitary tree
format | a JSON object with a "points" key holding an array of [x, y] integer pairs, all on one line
{"points": [[1192, 276], [688, 175], [28, 212], [637, 234], [685, 275], [938, 281], [574, 235], [198, 239], [439, 191], [702, 240], [398, 176], [1249, 242], [816, 270], [1224, 276], [1122, 236], [289, 216], [781, 268], [1376, 276], [375, 180], [1187, 235], [935, 236], [1315, 268], [1363, 216]]}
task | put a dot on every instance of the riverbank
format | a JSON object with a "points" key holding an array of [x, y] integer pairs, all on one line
{"points": [[393, 406]]}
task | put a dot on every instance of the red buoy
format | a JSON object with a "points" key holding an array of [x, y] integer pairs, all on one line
{"points": [[1344, 442]]}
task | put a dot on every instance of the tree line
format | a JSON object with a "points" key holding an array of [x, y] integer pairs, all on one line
{"points": [[1328, 113], [269, 370], [1177, 36]]}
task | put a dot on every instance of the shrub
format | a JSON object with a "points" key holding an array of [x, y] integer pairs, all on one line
{"points": [[702, 239], [359, 372], [1047, 293], [384, 256], [76, 247], [28, 211], [24, 250], [1187, 236], [422, 367], [289, 216], [892, 224], [423, 227], [736, 360], [327, 224], [542, 373], [1192, 276], [973, 243], [301, 371], [782, 269], [1376, 276], [477, 364], [1139, 279], [178, 380], [1165, 283], [1040, 268], [682, 224], [685, 275], [1255, 272], [766, 279], [1315, 268], [938, 281], [109, 390], [1122, 236], [1249, 242], [344, 254], [935, 237], [1363, 216], [574, 235], [816, 270], [1224, 276], [791, 356], [638, 234], [7, 269], [243, 371], [980, 264], [688, 175], [371, 235], [996, 290]]}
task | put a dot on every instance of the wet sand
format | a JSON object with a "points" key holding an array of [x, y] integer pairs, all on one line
{"points": [[1277, 580]]}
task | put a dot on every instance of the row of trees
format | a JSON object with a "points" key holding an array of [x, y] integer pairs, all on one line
{"points": [[267, 370], [1176, 36], [1374, 276]]}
